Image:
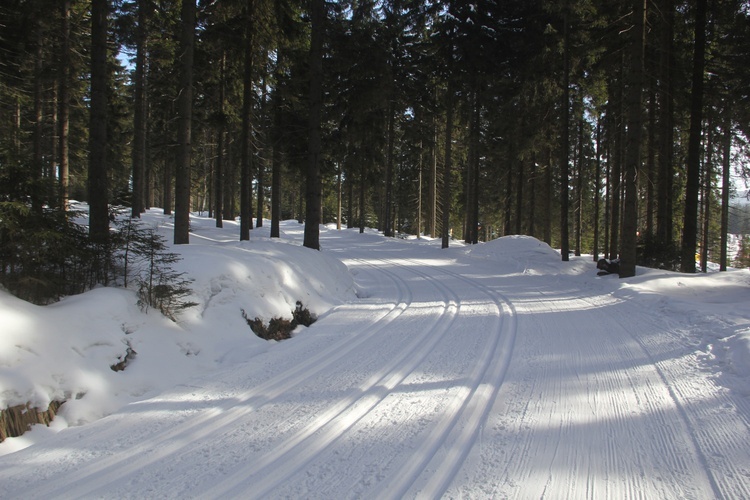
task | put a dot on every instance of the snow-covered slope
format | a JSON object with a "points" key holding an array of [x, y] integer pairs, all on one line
{"points": [[488, 371]]}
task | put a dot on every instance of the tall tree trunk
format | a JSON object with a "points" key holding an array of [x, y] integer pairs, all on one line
{"points": [[580, 174], [508, 208], [690, 224], [597, 186], [532, 196], [548, 188], [246, 221], [313, 191], [388, 222], [219, 170], [230, 181], [64, 111], [608, 195], [350, 220], [263, 161], [362, 201], [707, 189], [277, 140], [167, 178], [184, 126], [432, 199], [616, 172], [651, 164], [419, 191], [339, 194], [139, 113], [727, 150], [448, 165], [472, 169], [37, 164], [664, 216], [520, 181], [98, 183], [565, 143], [628, 254]]}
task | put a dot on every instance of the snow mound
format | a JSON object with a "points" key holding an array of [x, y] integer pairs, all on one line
{"points": [[65, 351], [520, 254]]}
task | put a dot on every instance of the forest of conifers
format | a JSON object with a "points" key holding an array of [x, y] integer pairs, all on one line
{"points": [[606, 127]]}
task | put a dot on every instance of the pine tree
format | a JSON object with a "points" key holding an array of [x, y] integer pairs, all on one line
{"points": [[313, 189], [184, 129], [690, 223], [98, 183]]}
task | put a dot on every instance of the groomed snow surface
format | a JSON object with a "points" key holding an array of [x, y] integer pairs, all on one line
{"points": [[492, 371]]}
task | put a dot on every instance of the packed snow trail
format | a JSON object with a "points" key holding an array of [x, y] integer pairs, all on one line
{"points": [[452, 376]]}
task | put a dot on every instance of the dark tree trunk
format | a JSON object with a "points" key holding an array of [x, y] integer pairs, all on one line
{"points": [[246, 219], [726, 159], [597, 186], [508, 208], [651, 164], [432, 197], [664, 210], [37, 164], [139, 114], [520, 181], [263, 161], [230, 181], [707, 189], [64, 111], [616, 173], [339, 195], [350, 220], [690, 225], [98, 184], [448, 165], [313, 191], [167, 178], [362, 202], [419, 191], [219, 170], [532, 196], [628, 254], [276, 140], [580, 174], [472, 169], [184, 126], [565, 143], [388, 221], [548, 188]]}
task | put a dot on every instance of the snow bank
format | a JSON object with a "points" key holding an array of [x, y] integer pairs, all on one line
{"points": [[64, 351]]}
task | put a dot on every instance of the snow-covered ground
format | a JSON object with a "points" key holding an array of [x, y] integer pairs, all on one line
{"points": [[492, 371]]}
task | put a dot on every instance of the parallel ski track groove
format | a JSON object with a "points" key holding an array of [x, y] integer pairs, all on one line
{"points": [[490, 372], [270, 471], [684, 417], [96, 477]]}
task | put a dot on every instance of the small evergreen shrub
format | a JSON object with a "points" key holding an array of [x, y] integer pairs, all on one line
{"points": [[159, 286], [44, 255]]}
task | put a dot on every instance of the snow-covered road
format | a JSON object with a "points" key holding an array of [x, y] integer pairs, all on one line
{"points": [[452, 376]]}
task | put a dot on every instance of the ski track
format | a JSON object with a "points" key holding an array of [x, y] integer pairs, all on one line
{"points": [[285, 471], [258, 478], [441, 383], [612, 418]]}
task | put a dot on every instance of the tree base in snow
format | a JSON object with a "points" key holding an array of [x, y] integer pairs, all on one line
{"points": [[16, 420]]}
